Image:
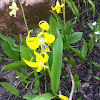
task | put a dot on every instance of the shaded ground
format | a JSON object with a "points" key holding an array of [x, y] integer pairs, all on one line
{"points": [[90, 87]]}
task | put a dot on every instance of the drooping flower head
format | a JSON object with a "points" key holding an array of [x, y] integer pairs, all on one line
{"points": [[44, 25], [63, 97], [98, 32], [40, 61], [43, 39], [57, 7], [14, 9], [94, 23]]}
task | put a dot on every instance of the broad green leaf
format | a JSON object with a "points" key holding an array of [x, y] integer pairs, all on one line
{"points": [[59, 21], [8, 51], [98, 78], [10, 88], [75, 37], [37, 84], [84, 50], [57, 62], [91, 44], [93, 7], [72, 61], [11, 42], [14, 65], [53, 26], [45, 96], [21, 77], [29, 97], [25, 53]]}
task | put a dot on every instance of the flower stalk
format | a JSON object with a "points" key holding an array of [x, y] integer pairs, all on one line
{"points": [[63, 2], [24, 16]]}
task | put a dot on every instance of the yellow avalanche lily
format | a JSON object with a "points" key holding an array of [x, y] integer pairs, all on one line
{"points": [[57, 7], [42, 39], [14, 9], [63, 97], [40, 61], [44, 25]]}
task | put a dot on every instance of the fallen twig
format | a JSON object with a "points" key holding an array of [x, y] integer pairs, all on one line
{"points": [[72, 79]]}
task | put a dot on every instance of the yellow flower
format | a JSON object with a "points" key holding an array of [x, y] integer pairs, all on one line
{"points": [[63, 97], [57, 7], [40, 61], [14, 8], [44, 25], [42, 39]]}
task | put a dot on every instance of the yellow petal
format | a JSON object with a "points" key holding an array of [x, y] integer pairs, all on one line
{"points": [[58, 7], [33, 43], [45, 66], [44, 25], [46, 57], [31, 64], [39, 57], [39, 68], [49, 38], [63, 97], [41, 33]]}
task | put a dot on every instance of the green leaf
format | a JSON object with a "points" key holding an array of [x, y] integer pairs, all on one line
{"points": [[59, 21], [10, 88], [25, 53], [35, 90], [53, 26], [72, 61], [69, 27], [95, 64], [57, 62], [18, 39], [79, 99], [93, 7], [45, 96], [90, 26], [84, 50], [8, 51], [75, 37], [73, 7], [21, 77], [9, 59], [91, 44], [77, 52], [24, 71], [11, 42], [37, 84], [14, 65], [98, 78], [29, 97]]}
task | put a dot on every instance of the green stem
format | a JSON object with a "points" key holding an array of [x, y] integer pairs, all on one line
{"points": [[51, 81], [24, 16], [63, 12]]}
